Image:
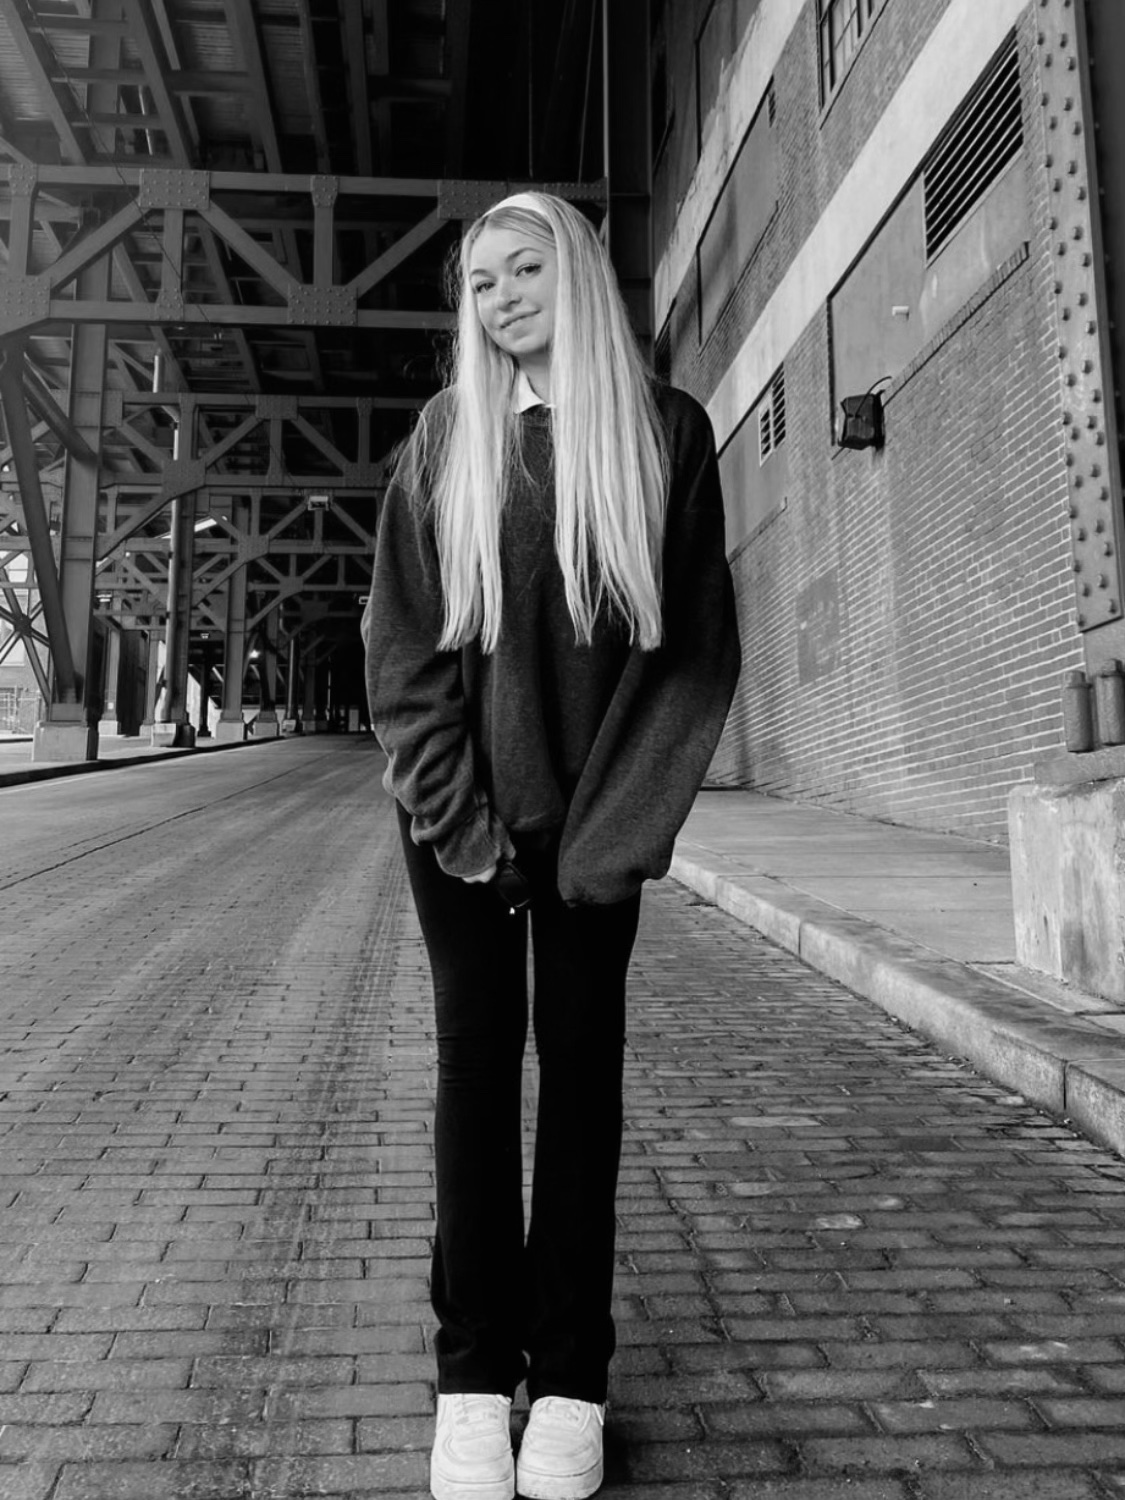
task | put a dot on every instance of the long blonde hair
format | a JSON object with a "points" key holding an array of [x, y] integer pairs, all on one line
{"points": [[611, 464]]}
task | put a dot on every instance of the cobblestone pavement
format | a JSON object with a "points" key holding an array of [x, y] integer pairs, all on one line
{"points": [[850, 1268]]}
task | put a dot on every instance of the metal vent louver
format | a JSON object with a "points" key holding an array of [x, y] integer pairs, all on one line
{"points": [[771, 418], [983, 137], [765, 435], [777, 401]]}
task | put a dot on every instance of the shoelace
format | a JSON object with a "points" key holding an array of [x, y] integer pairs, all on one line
{"points": [[478, 1410], [555, 1407]]}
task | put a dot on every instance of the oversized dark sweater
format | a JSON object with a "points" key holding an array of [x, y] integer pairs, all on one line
{"points": [[603, 745]]}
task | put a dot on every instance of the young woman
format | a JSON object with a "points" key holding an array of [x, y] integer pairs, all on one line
{"points": [[551, 653]]}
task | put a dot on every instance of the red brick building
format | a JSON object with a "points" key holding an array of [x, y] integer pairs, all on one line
{"points": [[892, 199]]}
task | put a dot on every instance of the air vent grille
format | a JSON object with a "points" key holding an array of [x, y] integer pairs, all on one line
{"points": [[771, 418], [986, 134]]}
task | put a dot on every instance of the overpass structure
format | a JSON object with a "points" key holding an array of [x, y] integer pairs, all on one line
{"points": [[223, 229]]}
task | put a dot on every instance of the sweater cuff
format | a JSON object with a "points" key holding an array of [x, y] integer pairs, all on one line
{"points": [[481, 840]]}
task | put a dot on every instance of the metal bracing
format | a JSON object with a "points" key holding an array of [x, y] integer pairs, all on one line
{"points": [[21, 621], [163, 203], [36, 521]]}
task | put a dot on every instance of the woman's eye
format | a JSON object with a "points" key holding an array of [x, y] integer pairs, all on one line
{"points": [[529, 267], [481, 286]]}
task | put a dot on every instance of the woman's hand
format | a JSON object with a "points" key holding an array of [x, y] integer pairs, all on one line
{"points": [[482, 879]]}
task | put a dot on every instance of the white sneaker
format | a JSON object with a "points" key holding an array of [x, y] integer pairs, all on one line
{"points": [[561, 1452], [472, 1453]]}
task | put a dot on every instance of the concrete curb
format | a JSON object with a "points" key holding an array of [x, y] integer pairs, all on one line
{"points": [[49, 770], [1069, 1065]]}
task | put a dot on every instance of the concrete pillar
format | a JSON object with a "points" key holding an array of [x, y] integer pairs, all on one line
{"points": [[1068, 881]]}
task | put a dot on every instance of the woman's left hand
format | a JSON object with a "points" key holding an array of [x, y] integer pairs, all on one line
{"points": [[483, 878]]}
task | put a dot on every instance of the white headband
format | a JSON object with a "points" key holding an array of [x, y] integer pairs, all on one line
{"points": [[519, 200]]}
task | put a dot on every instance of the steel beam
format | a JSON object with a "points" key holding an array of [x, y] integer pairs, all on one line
{"points": [[42, 401], [312, 85], [20, 20], [355, 50]]}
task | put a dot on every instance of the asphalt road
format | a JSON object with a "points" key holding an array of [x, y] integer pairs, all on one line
{"points": [[849, 1267]]}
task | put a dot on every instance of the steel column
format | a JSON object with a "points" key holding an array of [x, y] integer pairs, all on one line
{"points": [[230, 725], [203, 728], [1085, 120], [292, 723], [311, 715], [153, 678], [110, 722], [79, 519], [266, 725], [628, 157], [172, 725]]}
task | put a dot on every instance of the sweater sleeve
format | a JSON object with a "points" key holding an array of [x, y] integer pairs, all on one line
{"points": [[664, 721], [415, 691]]}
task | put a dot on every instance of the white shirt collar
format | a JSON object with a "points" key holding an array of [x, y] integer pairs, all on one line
{"points": [[524, 397]]}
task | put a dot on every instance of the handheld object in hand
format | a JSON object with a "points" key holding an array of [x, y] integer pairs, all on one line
{"points": [[512, 887]]}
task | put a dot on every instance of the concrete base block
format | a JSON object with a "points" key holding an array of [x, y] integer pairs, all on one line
{"points": [[1068, 882], [1095, 1101], [231, 730], [178, 735], [266, 725], [292, 726], [64, 742]]}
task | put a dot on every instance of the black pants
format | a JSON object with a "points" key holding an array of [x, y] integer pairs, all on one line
{"points": [[509, 1308]]}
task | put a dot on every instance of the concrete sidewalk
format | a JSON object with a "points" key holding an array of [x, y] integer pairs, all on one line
{"points": [[920, 923], [114, 751]]}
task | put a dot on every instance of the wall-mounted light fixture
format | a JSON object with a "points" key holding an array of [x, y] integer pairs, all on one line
{"points": [[859, 423], [317, 502]]}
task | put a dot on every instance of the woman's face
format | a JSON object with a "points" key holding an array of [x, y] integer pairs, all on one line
{"points": [[513, 277]]}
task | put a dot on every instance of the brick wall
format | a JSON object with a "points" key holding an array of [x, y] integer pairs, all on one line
{"points": [[907, 616]]}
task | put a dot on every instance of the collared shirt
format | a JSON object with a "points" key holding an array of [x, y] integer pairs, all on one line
{"points": [[525, 397]]}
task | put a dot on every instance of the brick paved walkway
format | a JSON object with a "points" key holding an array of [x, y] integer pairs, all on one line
{"points": [[850, 1269]]}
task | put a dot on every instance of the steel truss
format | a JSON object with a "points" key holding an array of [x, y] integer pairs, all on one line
{"points": [[119, 460]]}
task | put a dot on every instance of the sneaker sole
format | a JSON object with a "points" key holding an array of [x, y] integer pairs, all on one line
{"points": [[443, 1488], [559, 1487]]}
